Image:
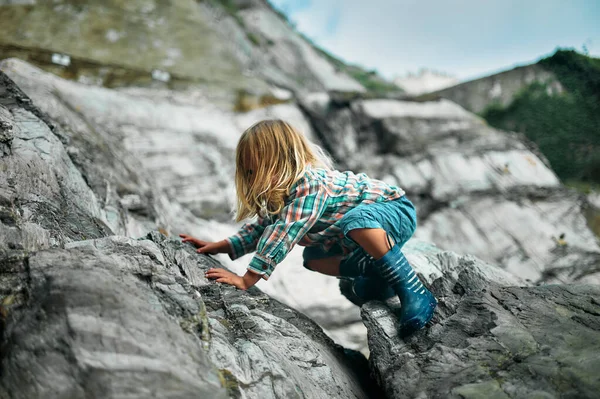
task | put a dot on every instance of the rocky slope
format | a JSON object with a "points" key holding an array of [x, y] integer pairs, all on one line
{"points": [[501, 88], [239, 45], [164, 159], [491, 339], [89, 313], [113, 315], [86, 170]]}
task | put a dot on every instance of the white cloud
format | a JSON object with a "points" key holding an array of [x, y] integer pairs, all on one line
{"points": [[465, 38]]}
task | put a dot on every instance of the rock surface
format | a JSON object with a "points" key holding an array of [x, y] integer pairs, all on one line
{"points": [[164, 159], [241, 46], [114, 316], [498, 89], [491, 340]]}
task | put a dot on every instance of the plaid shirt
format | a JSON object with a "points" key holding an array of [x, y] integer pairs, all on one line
{"points": [[317, 201]]}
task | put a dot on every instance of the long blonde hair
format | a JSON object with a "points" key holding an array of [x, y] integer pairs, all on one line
{"points": [[270, 157]]}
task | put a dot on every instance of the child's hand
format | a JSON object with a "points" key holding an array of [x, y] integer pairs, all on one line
{"points": [[206, 247], [227, 277]]}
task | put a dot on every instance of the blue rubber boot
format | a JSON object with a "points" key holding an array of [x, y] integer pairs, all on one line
{"points": [[365, 283], [417, 302]]}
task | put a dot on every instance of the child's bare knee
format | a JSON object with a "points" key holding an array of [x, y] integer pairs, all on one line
{"points": [[310, 265]]}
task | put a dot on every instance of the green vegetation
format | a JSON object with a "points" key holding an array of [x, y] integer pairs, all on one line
{"points": [[253, 37], [566, 126]]}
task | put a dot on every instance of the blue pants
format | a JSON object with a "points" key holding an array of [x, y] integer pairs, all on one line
{"points": [[398, 218]]}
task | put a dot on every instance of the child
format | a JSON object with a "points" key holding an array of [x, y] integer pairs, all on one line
{"points": [[352, 226]]}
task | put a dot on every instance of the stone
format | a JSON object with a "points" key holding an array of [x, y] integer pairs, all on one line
{"points": [[495, 342], [116, 316]]}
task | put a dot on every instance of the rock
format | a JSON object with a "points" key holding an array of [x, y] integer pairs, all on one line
{"points": [[489, 340], [44, 199], [93, 326], [499, 89], [241, 45], [116, 316], [101, 42], [93, 317]]}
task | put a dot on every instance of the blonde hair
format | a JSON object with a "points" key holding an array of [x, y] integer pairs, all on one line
{"points": [[270, 157]]}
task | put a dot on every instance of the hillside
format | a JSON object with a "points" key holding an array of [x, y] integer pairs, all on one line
{"points": [[555, 103], [564, 125]]}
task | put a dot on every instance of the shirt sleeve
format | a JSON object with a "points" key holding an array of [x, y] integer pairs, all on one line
{"points": [[246, 239], [294, 221]]}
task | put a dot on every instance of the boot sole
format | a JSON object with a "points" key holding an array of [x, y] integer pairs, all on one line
{"points": [[418, 322]]}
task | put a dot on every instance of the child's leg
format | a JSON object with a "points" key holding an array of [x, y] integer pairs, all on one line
{"points": [[373, 241], [329, 266], [326, 262], [360, 287], [372, 226]]}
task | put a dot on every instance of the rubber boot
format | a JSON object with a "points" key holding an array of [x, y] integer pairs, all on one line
{"points": [[364, 284], [417, 302]]}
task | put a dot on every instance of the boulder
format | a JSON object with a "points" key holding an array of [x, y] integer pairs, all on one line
{"points": [[488, 339]]}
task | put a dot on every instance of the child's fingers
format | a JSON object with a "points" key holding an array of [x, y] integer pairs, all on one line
{"points": [[206, 250], [215, 273]]}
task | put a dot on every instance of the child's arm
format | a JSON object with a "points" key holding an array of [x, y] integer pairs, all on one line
{"points": [[239, 244], [246, 239], [277, 239], [295, 220]]}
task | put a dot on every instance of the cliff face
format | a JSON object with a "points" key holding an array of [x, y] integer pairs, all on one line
{"points": [[90, 173], [498, 89]]}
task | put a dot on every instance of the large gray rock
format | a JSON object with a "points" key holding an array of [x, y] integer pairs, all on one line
{"points": [[498, 89], [44, 199], [491, 340], [116, 316]]}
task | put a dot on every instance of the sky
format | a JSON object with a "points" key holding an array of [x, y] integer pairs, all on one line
{"points": [[463, 38]]}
